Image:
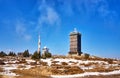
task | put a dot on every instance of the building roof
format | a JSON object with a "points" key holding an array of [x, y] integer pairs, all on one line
{"points": [[44, 47], [75, 32]]}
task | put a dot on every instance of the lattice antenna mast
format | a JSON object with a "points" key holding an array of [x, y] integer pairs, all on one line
{"points": [[39, 44]]}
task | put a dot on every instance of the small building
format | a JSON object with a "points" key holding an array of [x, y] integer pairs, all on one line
{"points": [[45, 50], [75, 43]]}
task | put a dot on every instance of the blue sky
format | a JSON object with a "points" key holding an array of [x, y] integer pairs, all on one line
{"points": [[97, 20]]}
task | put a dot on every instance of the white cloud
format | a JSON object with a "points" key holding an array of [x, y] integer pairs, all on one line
{"points": [[21, 30], [67, 7], [27, 37], [48, 15]]}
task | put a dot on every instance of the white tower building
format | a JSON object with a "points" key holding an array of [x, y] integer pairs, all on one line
{"points": [[39, 44]]}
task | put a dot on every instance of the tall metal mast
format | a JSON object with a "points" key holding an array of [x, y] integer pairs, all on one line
{"points": [[39, 43]]}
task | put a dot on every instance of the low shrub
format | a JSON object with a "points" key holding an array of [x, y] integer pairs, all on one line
{"points": [[43, 63], [55, 61], [66, 70], [21, 66], [64, 63], [74, 70], [55, 64]]}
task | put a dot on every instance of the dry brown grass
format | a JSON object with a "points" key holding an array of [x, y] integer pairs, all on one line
{"points": [[43, 63], [23, 61], [21, 66], [1, 69], [100, 69], [55, 61], [73, 63], [1, 76], [109, 60], [66, 70], [100, 76], [114, 67], [75, 70], [33, 63], [55, 64], [36, 72], [64, 63], [77, 57], [89, 64]]}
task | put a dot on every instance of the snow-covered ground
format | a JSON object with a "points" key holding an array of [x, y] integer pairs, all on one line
{"points": [[8, 67], [86, 74], [48, 61], [81, 63], [71, 62]]}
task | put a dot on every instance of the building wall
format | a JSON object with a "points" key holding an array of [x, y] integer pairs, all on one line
{"points": [[75, 43]]}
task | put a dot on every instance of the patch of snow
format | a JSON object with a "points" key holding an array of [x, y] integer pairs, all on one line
{"points": [[12, 62], [30, 60], [7, 69], [65, 60], [8, 73], [114, 64], [47, 60], [28, 66], [79, 61], [89, 61], [83, 67], [72, 61], [86, 74]]}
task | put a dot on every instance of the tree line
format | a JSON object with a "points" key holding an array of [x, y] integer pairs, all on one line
{"points": [[2, 54], [26, 53]]}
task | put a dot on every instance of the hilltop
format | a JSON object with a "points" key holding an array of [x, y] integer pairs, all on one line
{"points": [[60, 67]]}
